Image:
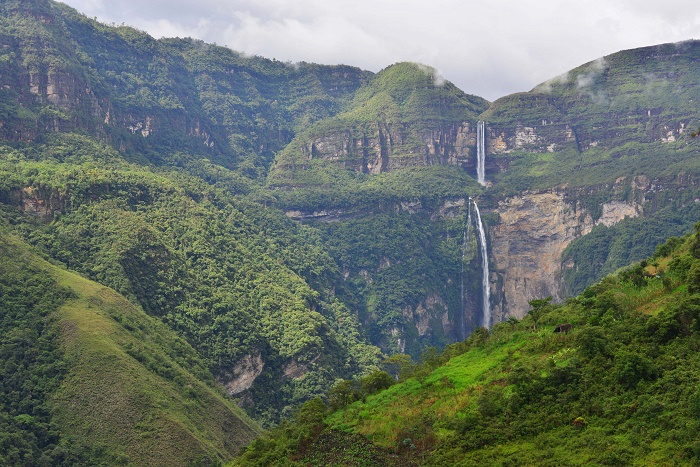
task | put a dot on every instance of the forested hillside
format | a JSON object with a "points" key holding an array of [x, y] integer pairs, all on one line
{"points": [[232, 278], [163, 102], [193, 229], [118, 162], [618, 388]]}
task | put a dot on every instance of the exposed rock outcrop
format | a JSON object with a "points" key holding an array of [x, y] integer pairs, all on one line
{"points": [[244, 373], [295, 370], [451, 208], [432, 310], [36, 202], [324, 215], [380, 147], [528, 242], [504, 139]]}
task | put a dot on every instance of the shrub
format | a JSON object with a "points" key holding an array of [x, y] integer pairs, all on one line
{"points": [[592, 341]]}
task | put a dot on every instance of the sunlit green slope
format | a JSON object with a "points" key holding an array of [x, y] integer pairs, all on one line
{"points": [[621, 388]]}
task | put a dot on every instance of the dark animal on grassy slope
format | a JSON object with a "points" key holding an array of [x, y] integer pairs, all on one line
{"points": [[565, 328]]}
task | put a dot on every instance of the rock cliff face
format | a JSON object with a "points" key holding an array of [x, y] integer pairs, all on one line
{"points": [[548, 137], [528, 242], [244, 373], [572, 133], [36, 202], [381, 147], [403, 117], [429, 317]]}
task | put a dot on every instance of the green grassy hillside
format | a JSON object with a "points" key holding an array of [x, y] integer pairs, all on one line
{"points": [[619, 389], [111, 384]]}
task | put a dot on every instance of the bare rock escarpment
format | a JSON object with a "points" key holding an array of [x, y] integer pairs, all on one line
{"points": [[380, 147], [528, 242]]}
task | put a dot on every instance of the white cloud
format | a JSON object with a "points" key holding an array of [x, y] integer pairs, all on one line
{"points": [[324, 39], [594, 69], [486, 48], [550, 84], [438, 79]]}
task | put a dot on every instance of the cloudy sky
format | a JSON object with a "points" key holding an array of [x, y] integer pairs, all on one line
{"points": [[490, 48]]}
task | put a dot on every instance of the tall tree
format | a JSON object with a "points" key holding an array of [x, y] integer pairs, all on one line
{"points": [[538, 308]]}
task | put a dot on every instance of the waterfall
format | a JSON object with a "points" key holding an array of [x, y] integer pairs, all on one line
{"points": [[485, 287], [480, 153], [465, 246]]}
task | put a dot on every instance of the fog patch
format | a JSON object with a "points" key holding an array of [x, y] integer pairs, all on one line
{"points": [[585, 81], [549, 85], [438, 79], [595, 69]]}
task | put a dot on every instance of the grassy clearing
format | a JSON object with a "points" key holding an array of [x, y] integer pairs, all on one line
{"points": [[449, 389]]}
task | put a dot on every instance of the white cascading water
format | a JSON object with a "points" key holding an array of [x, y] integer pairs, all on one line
{"points": [[480, 153], [485, 287], [465, 246]]}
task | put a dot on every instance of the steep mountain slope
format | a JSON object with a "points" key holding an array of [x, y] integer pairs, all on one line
{"points": [[619, 387], [406, 116], [154, 100], [390, 169], [584, 153], [100, 381], [250, 290], [247, 288], [581, 152]]}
